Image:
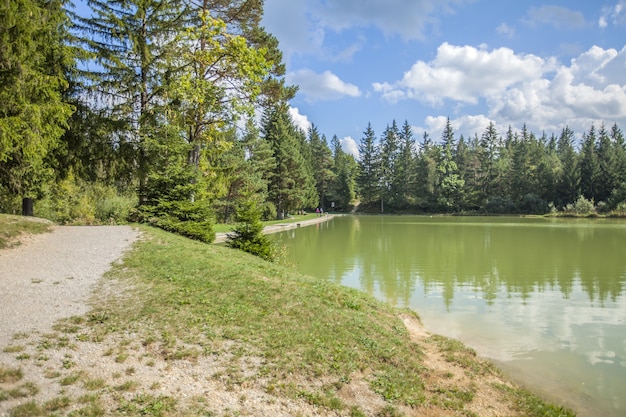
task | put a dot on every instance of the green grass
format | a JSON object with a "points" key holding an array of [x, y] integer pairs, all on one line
{"points": [[299, 326], [225, 228], [11, 227]]}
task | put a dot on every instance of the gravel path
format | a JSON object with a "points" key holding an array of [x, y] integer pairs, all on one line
{"points": [[52, 277]]}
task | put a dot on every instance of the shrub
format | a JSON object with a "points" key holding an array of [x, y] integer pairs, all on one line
{"points": [[618, 195], [269, 211], [499, 205], [248, 234], [170, 203], [581, 207], [533, 204], [74, 201]]}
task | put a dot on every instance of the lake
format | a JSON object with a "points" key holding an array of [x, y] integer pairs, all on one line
{"points": [[543, 298]]}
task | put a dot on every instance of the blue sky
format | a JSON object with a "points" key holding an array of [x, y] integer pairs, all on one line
{"points": [[546, 64]]}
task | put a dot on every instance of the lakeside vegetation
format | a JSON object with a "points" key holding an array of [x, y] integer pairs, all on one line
{"points": [[270, 335]]}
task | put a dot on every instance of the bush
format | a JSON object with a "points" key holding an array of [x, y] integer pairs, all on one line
{"points": [[617, 196], [533, 204], [74, 201], [248, 234], [581, 207], [499, 205], [170, 204], [269, 211]]}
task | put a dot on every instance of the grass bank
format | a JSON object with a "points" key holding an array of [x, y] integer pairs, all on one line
{"points": [[12, 227], [182, 328]]}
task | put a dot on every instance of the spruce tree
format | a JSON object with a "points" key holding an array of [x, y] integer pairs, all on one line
{"points": [[369, 167], [248, 234], [291, 184], [568, 182], [34, 61], [322, 162], [589, 166]]}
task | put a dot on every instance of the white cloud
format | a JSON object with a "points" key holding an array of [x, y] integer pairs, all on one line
{"points": [[299, 120], [518, 89], [557, 16], [408, 18], [613, 14], [349, 145], [324, 86], [464, 73], [591, 89], [506, 30], [301, 26]]}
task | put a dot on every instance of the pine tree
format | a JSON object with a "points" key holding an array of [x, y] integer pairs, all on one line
{"points": [[568, 182], [34, 61], [248, 234], [345, 168], [322, 162], [449, 181], [369, 167], [291, 185], [487, 156], [389, 152], [404, 177], [607, 155], [589, 166], [426, 189]]}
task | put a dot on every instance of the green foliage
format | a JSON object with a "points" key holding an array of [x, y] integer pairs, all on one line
{"points": [[581, 207], [369, 167], [33, 115], [170, 204], [75, 201], [248, 234], [291, 184]]}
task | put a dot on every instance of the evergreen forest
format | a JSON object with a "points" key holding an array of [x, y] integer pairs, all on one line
{"points": [[176, 113]]}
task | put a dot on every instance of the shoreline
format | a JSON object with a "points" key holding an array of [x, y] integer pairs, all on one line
{"points": [[281, 227]]}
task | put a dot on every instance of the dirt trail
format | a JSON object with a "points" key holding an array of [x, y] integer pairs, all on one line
{"points": [[52, 276]]}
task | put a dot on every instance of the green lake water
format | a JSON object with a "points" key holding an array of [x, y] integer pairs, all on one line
{"points": [[544, 298]]}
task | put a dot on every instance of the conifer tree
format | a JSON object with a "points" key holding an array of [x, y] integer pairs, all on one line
{"points": [[449, 181], [291, 185], [404, 176], [368, 178], [322, 162], [34, 61], [589, 166], [345, 168], [426, 173], [248, 234], [568, 182]]}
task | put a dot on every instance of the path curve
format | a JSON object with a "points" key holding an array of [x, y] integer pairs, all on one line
{"points": [[52, 277], [281, 227]]}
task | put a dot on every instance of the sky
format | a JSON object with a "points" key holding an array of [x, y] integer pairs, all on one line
{"points": [[544, 64]]}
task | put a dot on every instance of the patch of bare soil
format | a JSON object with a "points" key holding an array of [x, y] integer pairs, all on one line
{"points": [[446, 373]]}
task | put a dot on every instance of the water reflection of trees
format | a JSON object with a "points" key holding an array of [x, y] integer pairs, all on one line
{"points": [[521, 257]]}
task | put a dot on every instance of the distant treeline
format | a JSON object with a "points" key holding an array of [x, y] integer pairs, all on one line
{"points": [[519, 172]]}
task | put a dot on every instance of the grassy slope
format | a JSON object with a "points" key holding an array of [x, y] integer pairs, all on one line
{"points": [[309, 339], [304, 329], [11, 227]]}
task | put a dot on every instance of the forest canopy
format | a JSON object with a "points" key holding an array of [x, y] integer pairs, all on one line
{"points": [[176, 113]]}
